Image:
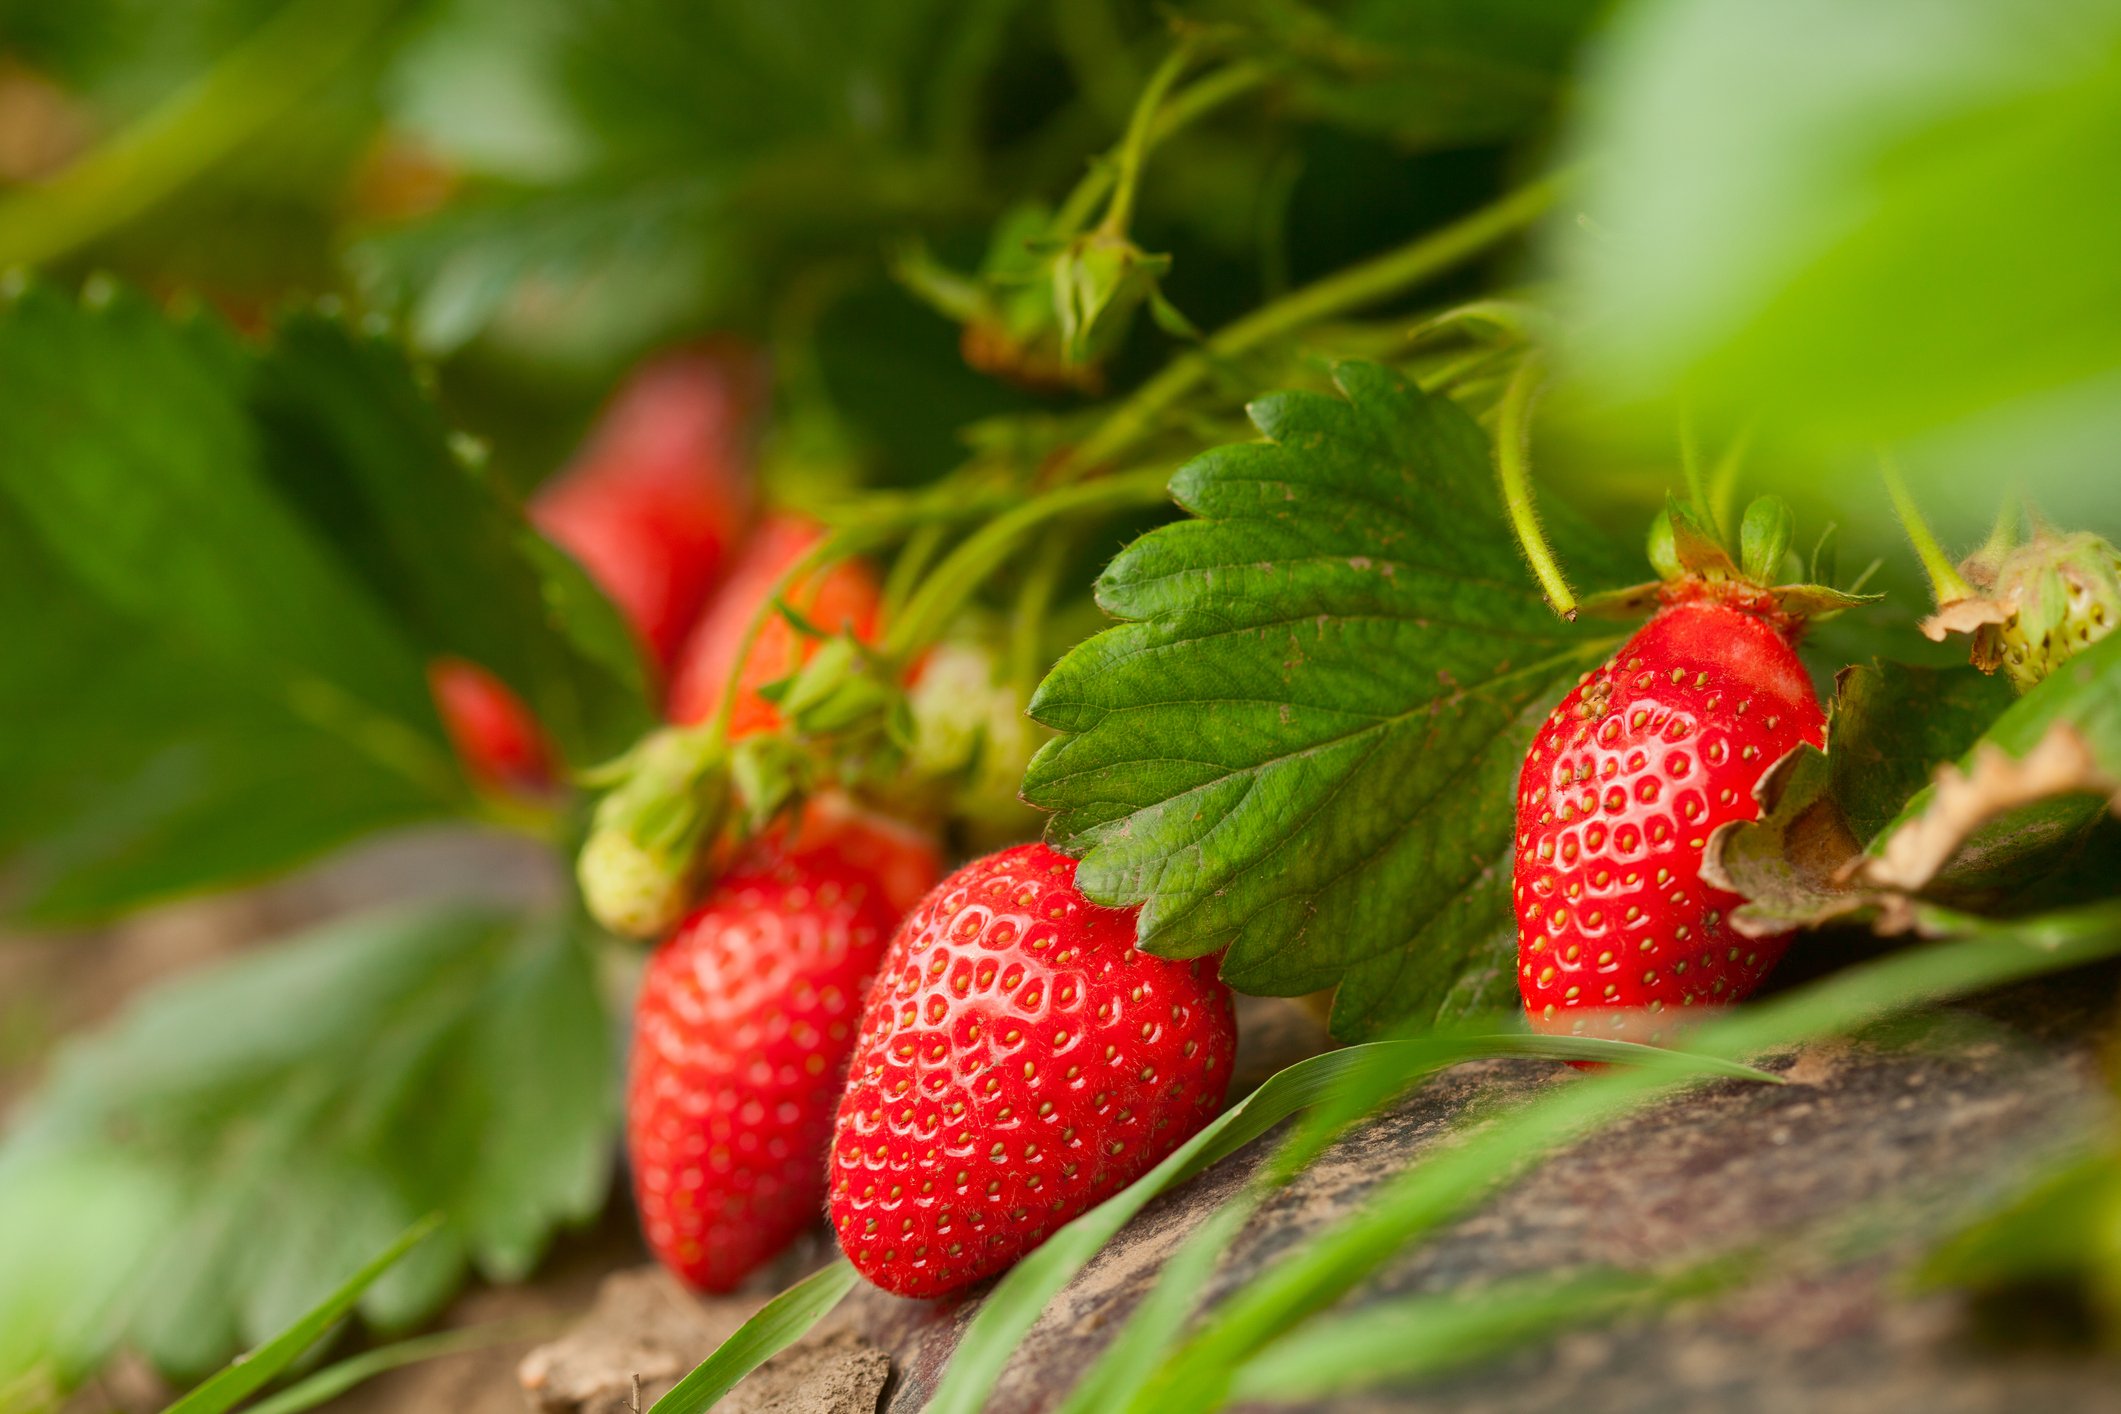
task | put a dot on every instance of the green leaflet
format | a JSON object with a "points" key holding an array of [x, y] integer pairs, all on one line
{"points": [[225, 568], [1303, 745], [206, 1168]]}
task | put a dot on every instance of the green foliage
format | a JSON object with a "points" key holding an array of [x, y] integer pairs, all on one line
{"points": [[206, 1169], [228, 568], [1303, 745], [1856, 222], [1892, 725], [1428, 72]]}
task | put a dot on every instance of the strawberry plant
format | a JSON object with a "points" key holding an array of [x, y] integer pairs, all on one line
{"points": [[702, 634]]}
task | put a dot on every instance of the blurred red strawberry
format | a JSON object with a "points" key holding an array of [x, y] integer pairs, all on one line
{"points": [[844, 599], [494, 734], [661, 493]]}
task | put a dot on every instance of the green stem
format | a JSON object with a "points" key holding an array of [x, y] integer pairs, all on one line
{"points": [[1379, 278], [830, 550], [1034, 599], [1945, 581], [1196, 101], [243, 95], [913, 560], [1697, 490], [1135, 146], [968, 566], [1513, 462]]}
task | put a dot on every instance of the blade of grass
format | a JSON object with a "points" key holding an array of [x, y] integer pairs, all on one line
{"points": [[1198, 1375], [250, 1372], [1129, 1358], [779, 1324], [1013, 1307], [1424, 1335], [336, 1379]]}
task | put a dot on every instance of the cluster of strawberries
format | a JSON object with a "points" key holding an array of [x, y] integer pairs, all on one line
{"points": [[959, 1067], [955, 1070]]}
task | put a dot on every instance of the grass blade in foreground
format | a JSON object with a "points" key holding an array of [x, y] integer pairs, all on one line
{"points": [[250, 1372], [1199, 1375], [1014, 1305], [1423, 1335], [779, 1324], [336, 1379]]}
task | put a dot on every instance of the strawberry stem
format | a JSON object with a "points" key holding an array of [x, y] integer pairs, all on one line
{"points": [[1376, 279], [1513, 459], [1945, 581], [1134, 149], [967, 567]]}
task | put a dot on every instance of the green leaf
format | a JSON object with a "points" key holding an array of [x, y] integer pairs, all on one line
{"points": [[1893, 725], [1782, 192], [254, 1369], [137, 766], [778, 1324], [1303, 745], [258, 1128], [356, 444], [225, 568]]}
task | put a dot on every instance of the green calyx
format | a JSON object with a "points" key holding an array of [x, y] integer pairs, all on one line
{"points": [[2032, 607], [1684, 548]]}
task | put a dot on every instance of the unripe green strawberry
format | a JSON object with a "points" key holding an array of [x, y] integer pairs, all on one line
{"points": [[2036, 605], [1622, 788]]}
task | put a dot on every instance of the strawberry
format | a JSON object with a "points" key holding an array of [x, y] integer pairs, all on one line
{"points": [[1619, 794], [1019, 1061], [662, 492], [494, 733], [844, 599], [741, 1033]]}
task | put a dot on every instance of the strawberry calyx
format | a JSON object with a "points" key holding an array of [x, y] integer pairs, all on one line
{"points": [[1695, 565]]}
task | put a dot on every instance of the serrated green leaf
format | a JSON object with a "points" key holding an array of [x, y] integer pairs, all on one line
{"points": [[224, 569], [268, 1124], [355, 443], [1303, 745]]}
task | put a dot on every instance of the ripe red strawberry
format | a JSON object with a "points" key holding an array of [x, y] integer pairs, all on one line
{"points": [[741, 1034], [844, 599], [494, 733], [1019, 1061], [1619, 794], [662, 492]]}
